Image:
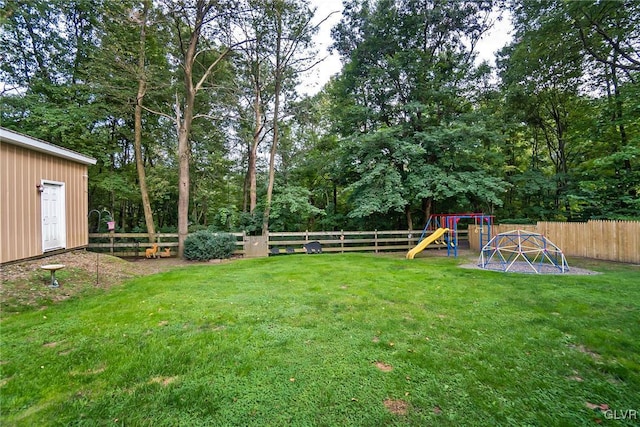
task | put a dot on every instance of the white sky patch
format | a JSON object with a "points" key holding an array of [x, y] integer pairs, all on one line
{"points": [[314, 80], [495, 39]]}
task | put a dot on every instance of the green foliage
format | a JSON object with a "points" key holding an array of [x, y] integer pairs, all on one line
{"points": [[411, 126], [199, 246], [204, 245], [291, 209], [223, 245], [412, 137]]}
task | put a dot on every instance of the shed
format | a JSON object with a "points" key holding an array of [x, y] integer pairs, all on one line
{"points": [[43, 197]]}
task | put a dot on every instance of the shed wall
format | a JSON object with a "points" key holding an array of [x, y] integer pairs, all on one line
{"points": [[21, 170]]}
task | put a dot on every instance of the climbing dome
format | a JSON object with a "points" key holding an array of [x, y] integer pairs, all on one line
{"points": [[523, 252]]}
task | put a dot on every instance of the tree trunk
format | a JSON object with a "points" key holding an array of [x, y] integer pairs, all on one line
{"points": [[276, 112], [183, 184], [142, 88], [407, 211], [426, 209], [253, 152], [272, 162], [184, 119]]}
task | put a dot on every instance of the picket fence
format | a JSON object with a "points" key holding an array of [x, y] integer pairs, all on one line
{"points": [[606, 240]]}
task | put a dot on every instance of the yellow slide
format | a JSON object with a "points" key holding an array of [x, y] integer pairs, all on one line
{"points": [[426, 242]]}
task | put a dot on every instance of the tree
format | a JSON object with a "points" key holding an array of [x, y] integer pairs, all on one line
{"points": [[142, 90], [402, 106], [193, 20], [290, 55], [253, 62], [565, 55], [130, 56], [45, 50]]}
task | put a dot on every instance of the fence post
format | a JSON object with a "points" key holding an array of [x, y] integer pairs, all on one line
{"points": [[341, 241], [375, 240], [244, 243]]}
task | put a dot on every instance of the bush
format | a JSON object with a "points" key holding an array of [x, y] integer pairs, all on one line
{"points": [[203, 246], [224, 244]]}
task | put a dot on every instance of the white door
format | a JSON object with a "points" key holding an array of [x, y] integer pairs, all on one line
{"points": [[54, 231]]}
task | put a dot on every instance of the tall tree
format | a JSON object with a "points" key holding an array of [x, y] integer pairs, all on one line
{"points": [[402, 106], [290, 55], [142, 90], [253, 62], [199, 58], [130, 56], [565, 55]]}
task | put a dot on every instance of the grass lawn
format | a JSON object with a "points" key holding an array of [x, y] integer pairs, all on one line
{"points": [[331, 340]]}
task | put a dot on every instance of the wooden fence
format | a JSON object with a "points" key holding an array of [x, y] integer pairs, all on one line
{"points": [[134, 244], [607, 240]]}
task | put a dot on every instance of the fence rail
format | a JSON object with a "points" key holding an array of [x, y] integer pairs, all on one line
{"points": [[607, 240], [134, 244]]}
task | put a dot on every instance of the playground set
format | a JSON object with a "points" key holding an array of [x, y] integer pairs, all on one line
{"points": [[517, 251], [445, 226]]}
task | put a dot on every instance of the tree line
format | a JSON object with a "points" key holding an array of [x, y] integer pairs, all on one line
{"points": [[191, 109]]}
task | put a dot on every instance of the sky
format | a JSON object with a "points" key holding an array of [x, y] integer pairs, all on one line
{"points": [[493, 41]]}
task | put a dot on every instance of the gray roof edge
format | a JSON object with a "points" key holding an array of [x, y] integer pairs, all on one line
{"points": [[35, 144]]}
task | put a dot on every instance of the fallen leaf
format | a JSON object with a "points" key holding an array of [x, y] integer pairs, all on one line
{"points": [[437, 410]]}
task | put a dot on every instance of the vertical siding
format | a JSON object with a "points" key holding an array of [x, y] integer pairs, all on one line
{"points": [[20, 210]]}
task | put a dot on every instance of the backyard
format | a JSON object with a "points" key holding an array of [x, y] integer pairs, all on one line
{"points": [[331, 339]]}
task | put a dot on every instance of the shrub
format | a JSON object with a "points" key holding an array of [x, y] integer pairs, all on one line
{"points": [[199, 246], [203, 246], [224, 244]]}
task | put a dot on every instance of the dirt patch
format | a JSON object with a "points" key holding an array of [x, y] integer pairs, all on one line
{"points": [[25, 285], [164, 381], [384, 367], [397, 406], [582, 349]]}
